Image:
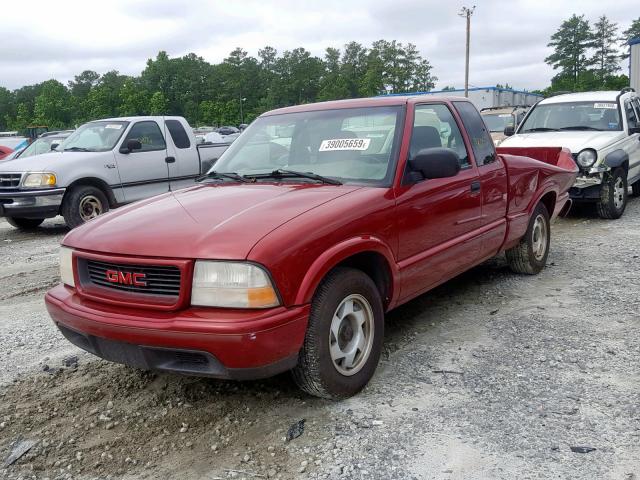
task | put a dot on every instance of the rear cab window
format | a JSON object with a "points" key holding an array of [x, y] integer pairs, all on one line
{"points": [[178, 134], [483, 148]]}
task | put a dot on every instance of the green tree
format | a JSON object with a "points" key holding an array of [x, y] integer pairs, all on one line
{"points": [[570, 43], [605, 57], [158, 104], [52, 105], [629, 34], [333, 85]]}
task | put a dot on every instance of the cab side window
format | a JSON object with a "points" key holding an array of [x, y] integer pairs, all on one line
{"points": [[632, 118], [435, 127], [149, 135], [481, 142]]}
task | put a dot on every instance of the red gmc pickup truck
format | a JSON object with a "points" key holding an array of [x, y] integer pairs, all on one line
{"points": [[314, 223]]}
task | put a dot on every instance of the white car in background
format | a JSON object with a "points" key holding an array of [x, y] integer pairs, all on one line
{"points": [[602, 130]]}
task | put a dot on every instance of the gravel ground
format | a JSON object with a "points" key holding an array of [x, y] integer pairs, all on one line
{"points": [[490, 376]]}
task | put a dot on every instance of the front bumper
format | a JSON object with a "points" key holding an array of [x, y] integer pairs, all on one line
{"points": [[230, 344], [31, 203]]}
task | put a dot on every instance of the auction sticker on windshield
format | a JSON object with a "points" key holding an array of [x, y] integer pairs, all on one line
{"points": [[345, 144], [605, 105], [115, 126]]}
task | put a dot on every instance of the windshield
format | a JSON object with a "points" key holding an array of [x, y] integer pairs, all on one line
{"points": [[497, 122], [573, 116], [353, 145], [40, 146], [95, 137]]}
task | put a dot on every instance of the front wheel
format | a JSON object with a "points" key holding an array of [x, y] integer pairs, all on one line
{"points": [[613, 195], [530, 255], [82, 204], [344, 337], [24, 223]]}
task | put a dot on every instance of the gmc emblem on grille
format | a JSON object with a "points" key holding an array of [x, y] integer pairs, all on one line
{"points": [[126, 278]]}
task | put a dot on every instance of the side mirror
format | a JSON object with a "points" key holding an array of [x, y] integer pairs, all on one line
{"points": [[633, 130], [54, 146], [132, 144], [509, 130], [435, 163]]}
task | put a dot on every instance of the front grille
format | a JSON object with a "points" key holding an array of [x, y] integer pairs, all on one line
{"points": [[10, 180], [160, 280]]}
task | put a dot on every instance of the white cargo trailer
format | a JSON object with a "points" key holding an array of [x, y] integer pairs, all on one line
{"points": [[487, 97]]}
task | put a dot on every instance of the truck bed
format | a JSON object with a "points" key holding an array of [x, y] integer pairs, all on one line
{"points": [[558, 156]]}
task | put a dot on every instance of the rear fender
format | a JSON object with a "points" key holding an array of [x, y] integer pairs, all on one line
{"points": [[340, 252]]}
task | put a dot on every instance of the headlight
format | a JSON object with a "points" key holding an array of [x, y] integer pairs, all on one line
{"points": [[39, 180], [66, 266], [232, 285], [587, 157]]}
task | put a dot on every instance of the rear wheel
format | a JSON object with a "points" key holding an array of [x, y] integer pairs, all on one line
{"points": [[613, 195], [82, 204], [344, 337], [25, 223], [530, 255]]}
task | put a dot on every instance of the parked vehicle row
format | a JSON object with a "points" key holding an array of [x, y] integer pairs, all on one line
{"points": [[499, 119], [286, 255]]}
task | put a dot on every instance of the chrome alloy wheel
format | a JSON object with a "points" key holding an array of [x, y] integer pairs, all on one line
{"points": [[618, 193], [539, 242], [90, 207], [351, 335]]}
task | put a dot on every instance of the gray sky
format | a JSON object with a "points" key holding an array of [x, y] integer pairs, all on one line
{"points": [[41, 39]]}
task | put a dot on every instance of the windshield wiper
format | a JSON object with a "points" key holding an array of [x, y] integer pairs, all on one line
{"points": [[222, 175], [281, 173], [77, 149], [581, 127], [540, 129]]}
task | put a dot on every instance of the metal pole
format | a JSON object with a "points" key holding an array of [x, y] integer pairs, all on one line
{"points": [[241, 114], [467, 12]]}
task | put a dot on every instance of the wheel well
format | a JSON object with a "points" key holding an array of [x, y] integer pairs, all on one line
{"points": [[96, 182], [549, 201], [377, 268]]}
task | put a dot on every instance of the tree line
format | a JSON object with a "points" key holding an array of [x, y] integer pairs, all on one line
{"points": [[587, 56], [217, 94]]}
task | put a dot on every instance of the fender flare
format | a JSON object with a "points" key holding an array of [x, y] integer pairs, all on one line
{"points": [[616, 159], [98, 183], [339, 252]]}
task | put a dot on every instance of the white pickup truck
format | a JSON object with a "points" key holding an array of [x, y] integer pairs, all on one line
{"points": [[103, 164]]}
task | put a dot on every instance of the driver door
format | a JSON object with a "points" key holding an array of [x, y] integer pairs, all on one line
{"points": [[143, 173]]}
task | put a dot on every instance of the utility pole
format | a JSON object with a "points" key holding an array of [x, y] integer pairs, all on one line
{"points": [[467, 12], [242, 99]]}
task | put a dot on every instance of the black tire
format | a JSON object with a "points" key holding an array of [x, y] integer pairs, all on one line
{"points": [[79, 197], [606, 206], [635, 189], [316, 372], [25, 223], [526, 257]]}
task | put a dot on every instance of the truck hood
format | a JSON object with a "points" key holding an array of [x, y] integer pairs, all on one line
{"points": [[46, 162], [215, 221], [573, 140]]}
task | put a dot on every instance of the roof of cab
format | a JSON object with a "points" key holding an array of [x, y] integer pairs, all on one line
{"points": [[382, 101], [601, 96], [156, 118]]}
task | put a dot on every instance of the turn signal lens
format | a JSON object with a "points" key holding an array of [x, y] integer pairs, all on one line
{"points": [[232, 285]]}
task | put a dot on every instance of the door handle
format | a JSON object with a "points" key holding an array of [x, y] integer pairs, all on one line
{"points": [[170, 159], [475, 186]]}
